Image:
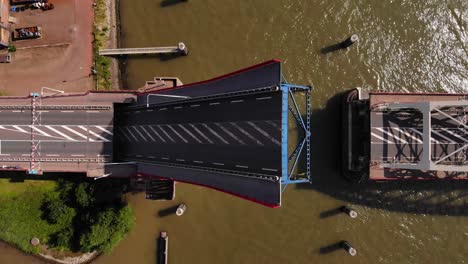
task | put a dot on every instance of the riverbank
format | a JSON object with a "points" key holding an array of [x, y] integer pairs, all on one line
{"points": [[106, 35]]}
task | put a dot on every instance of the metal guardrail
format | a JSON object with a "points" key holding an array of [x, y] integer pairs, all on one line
{"points": [[56, 107], [54, 160]]}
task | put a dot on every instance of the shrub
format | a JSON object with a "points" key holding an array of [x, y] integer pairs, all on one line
{"points": [[63, 238], [108, 230], [84, 195], [57, 212], [12, 48]]}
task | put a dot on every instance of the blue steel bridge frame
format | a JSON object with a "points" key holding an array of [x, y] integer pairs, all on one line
{"points": [[290, 105]]}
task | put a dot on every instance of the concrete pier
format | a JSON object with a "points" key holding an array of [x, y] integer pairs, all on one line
{"points": [[181, 48]]}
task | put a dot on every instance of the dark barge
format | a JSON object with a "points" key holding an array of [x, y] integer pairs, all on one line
{"points": [[394, 136]]}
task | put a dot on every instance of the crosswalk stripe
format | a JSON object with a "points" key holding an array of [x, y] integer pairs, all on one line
{"points": [[60, 133], [76, 133], [190, 133], [391, 135], [157, 134], [264, 133], [104, 130], [40, 131], [141, 135], [230, 133], [243, 131], [131, 134], [201, 133], [165, 133], [215, 133], [144, 130], [177, 133]]}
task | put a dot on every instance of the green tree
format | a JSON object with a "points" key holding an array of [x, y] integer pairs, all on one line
{"points": [[57, 212], [12, 48], [108, 229], [84, 195], [63, 239]]}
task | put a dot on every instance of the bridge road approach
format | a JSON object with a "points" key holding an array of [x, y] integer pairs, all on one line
{"points": [[62, 134]]}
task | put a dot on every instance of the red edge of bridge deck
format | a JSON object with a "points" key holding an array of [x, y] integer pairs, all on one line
{"points": [[219, 77], [216, 189]]}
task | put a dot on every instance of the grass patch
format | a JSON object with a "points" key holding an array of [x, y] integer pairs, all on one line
{"points": [[3, 93], [101, 40], [21, 214], [67, 216]]}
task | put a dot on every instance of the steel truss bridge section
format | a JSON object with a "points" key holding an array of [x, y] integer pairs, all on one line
{"points": [[444, 127]]}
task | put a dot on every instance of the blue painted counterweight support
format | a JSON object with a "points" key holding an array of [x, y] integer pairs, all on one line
{"points": [[290, 105]]}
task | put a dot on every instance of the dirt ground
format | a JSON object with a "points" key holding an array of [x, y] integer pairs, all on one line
{"points": [[61, 59]]}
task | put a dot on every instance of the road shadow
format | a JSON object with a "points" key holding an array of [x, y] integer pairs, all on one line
{"points": [[168, 211], [435, 197], [166, 3]]}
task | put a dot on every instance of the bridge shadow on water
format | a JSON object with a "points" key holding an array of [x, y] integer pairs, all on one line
{"points": [[435, 197], [166, 3]]}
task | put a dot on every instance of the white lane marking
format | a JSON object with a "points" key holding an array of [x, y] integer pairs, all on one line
{"points": [[381, 138], [274, 125], [43, 111], [178, 107], [125, 134], [190, 133], [104, 130], [242, 166], [247, 133], [198, 161], [264, 133], [180, 159], [149, 135], [78, 155], [162, 109], [219, 164], [393, 136], [149, 110], [10, 154], [215, 103], [164, 158], [263, 98], [201, 133], [94, 134], [420, 133], [60, 133], [151, 157], [165, 133], [40, 131], [237, 101], [157, 134], [131, 134], [141, 135], [52, 155], [444, 137], [407, 134], [20, 129], [16, 111], [67, 111], [268, 169], [92, 111], [215, 133], [230, 134], [455, 135], [195, 105], [177, 133], [23, 155], [76, 133]]}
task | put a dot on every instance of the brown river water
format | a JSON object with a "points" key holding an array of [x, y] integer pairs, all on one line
{"points": [[404, 46]]}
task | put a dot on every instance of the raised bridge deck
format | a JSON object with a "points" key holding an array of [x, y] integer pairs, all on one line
{"points": [[229, 133]]}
